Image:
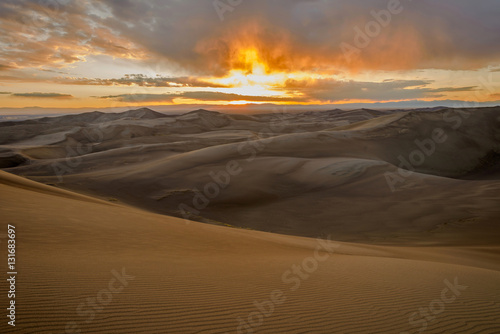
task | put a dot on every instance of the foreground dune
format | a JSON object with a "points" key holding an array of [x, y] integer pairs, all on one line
{"points": [[95, 266]]}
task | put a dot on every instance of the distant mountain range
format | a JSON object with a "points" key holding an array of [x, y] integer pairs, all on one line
{"points": [[30, 112]]}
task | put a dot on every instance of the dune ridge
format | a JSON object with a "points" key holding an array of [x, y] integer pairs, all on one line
{"points": [[289, 164]]}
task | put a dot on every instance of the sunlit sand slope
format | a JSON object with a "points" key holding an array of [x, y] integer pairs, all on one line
{"points": [[98, 267]]}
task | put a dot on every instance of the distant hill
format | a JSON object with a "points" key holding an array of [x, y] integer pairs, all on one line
{"points": [[99, 117], [143, 113], [202, 112]]}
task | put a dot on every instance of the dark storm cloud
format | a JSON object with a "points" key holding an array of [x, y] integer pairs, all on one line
{"points": [[294, 35], [289, 35]]}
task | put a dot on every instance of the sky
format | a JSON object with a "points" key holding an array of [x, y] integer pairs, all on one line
{"points": [[64, 54]]}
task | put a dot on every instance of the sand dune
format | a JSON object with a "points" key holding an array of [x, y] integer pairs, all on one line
{"points": [[290, 178], [199, 278], [409, 250]]}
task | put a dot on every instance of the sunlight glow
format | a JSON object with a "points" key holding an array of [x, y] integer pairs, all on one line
{"points": [[252, 76]]}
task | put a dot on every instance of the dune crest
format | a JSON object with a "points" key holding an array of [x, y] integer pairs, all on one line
{"points": [[409, 173]]}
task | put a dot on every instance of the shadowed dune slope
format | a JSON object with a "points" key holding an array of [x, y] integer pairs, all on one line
{"points": [[343, 181]]}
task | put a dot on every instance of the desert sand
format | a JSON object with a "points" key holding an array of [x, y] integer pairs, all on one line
{"points": [[306, 174], [100, 251]]}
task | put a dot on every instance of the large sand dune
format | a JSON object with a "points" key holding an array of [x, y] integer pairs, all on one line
{"points": [[199, 278], [298, 174], [409, 201]]}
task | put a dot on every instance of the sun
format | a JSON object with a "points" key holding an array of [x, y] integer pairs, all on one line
{"points": [[251, 75], [249, 70]]}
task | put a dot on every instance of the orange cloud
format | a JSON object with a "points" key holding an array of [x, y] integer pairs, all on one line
{"points": [[240, 47]]}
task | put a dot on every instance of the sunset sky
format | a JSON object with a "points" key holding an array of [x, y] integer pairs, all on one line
{"points": [[112, 53]]}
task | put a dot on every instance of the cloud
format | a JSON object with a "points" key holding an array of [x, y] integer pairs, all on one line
{"points": [[453, 89], [201, 95], [57, 33], [217, 96], [336, 90], [288, 35], [293, 35], [313, 90], [142, 81], [141, 97], [21, 77], [44, 95]]}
